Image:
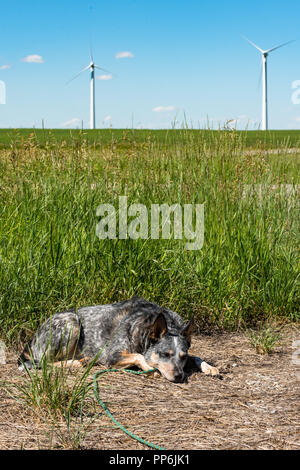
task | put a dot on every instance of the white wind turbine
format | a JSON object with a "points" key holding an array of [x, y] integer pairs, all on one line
{"points": [[92, 66], [264, 123]]}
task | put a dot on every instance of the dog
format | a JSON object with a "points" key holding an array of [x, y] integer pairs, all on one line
{"points": [[131, 333]]}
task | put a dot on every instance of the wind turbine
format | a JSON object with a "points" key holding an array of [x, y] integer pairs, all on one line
{"points": [[264, 122], [92, 66]]}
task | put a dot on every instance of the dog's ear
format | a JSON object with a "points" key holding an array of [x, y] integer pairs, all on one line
{"points": [[187, 329], [159, 327]]}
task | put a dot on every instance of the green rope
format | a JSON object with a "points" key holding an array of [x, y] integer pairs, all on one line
{"points": [[96, 393]]}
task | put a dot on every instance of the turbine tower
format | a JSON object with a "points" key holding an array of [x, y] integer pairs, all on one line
{"points": [[92, 66], [264, 120]]}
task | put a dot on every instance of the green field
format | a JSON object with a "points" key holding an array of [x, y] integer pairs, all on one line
{"points": [[51, 183], [121, 137]]}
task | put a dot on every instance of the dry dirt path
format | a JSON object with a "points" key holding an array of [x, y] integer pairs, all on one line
{"points": [[256, 405]]}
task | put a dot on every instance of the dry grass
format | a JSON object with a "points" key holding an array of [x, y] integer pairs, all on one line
{"points": [[255, 406]]}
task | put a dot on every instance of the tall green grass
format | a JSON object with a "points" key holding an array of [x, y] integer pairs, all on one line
{"points": [[100, 138], [51, 258]]}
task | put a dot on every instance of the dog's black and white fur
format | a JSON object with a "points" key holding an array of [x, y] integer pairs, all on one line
{"points": [[134, 332]]}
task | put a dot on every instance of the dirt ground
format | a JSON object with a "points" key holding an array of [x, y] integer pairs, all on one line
{"points": [[254, 406]]}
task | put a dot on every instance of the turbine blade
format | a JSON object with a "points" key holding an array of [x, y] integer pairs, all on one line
{"points": [[77, 75], [253, 44], [281, 45], [100, 68], [91, 53]]}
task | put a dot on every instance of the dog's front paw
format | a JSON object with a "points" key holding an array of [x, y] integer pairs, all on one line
{"points": [[209, 370], [84, 362]]}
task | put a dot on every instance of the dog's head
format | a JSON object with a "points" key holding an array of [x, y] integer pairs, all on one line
{"points": [[168, 350]]}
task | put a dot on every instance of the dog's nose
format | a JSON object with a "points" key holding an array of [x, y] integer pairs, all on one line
{"points": [[178, 377]]}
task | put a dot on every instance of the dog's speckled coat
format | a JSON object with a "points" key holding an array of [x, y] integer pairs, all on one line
{"points": [[134, 332]]}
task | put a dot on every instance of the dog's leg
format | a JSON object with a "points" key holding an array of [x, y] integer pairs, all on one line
{"points": [[132, 359], [56, 340], [208, 369], [196, 363], [71, 363]]}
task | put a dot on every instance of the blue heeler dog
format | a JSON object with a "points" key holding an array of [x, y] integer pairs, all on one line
{"points": [[134, 332]]}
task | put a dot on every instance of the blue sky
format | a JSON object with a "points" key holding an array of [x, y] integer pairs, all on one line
{"points": [[189, 61]]}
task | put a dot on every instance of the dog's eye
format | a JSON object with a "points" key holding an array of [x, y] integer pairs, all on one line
{"points": [[166, 354]]}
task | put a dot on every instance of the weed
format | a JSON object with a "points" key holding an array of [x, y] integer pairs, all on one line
{"points": [[61, 399], [265, 340]]}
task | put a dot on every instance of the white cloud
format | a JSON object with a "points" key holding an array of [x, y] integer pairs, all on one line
{"points": [[107, 118], [163, 109], [33, 58], [104, 77], [4, 67], [72, 122], [297, 119], [124, 55]]}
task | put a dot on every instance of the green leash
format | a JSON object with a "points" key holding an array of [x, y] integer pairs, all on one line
{"points": [[96, 393]]}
